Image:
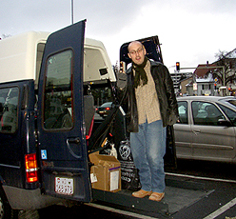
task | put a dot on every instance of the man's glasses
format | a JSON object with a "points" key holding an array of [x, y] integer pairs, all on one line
{"points": [[133, 52]]}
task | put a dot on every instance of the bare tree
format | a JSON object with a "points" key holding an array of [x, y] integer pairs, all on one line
{"points": [[226, 75]]}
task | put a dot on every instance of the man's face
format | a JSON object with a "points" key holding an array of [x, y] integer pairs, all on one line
{"points": [[137, 52]]}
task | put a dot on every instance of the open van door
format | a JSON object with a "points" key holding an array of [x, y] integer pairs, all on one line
{"points": [[61, 134]]}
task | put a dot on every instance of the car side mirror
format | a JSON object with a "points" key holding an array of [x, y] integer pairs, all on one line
{"points": [[223, 122]]}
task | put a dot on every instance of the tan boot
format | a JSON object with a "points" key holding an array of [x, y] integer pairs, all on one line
{"points": [[141, 193], [155, 196]]}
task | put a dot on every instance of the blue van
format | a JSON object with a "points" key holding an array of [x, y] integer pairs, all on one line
{"points": [[49, 87]]}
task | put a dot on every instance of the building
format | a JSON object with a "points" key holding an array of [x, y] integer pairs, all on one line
{"points": [[203, 76], [177, 78], [187, 86]]}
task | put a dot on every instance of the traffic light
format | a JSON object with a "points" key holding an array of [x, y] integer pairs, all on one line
{"points": [[177, 66]]}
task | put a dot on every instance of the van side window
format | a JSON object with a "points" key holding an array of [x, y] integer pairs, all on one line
{"points": [[8, 109], [58, 97], [39, 57]]}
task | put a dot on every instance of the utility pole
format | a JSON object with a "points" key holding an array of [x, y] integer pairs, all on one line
{"points": [[72, 12]]}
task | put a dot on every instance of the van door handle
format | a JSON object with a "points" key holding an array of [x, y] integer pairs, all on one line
{"points": [[73, 149], [73, 140]]}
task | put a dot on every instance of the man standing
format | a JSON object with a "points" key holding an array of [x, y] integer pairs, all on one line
{"points": [[152, 106]]}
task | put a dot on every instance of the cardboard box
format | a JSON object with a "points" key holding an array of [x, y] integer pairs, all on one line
{"points": [[106, 173]]}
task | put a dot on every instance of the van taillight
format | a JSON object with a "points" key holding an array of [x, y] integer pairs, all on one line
{"points": [[31, 168]]}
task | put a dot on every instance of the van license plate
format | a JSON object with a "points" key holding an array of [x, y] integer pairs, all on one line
{"points": [[64, 186]]}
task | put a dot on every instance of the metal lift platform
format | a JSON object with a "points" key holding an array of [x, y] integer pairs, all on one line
{"points": [[179, 194]]}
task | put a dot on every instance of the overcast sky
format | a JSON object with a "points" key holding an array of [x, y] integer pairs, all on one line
{"points": [[191, 31]]}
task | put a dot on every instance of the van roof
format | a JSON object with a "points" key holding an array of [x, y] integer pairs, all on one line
{"points": [[20, 58], [18, 55]]}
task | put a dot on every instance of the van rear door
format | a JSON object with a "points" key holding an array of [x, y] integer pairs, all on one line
{"points": [[61, 137]]}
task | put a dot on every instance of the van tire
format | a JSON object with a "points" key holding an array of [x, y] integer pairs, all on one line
{"points": [[6, 212]]}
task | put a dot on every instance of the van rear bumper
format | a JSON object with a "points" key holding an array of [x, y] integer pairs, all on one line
{"points": [[24, 199]]}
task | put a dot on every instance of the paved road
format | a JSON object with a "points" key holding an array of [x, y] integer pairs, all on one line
{"points": [[82, 212], [207, 169]]}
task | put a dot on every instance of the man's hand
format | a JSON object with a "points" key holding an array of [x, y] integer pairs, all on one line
{"points": [[122, 67]]}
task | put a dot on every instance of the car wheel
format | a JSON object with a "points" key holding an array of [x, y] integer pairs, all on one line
{"points": [[6, 212]]}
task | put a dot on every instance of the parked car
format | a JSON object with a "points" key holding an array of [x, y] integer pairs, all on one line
{"points": [[104, 109], [206, 130]]}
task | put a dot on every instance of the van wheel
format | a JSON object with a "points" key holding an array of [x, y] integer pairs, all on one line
{"points": [[6, 212]]}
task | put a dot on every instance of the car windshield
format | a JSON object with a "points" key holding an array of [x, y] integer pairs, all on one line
{"points": [[106, 104]]}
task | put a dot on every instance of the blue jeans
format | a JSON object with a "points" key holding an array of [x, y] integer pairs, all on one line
{"points": [[148, 149]]}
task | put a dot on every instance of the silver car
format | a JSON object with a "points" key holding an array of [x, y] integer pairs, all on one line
{"points": [[207, 128]]}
